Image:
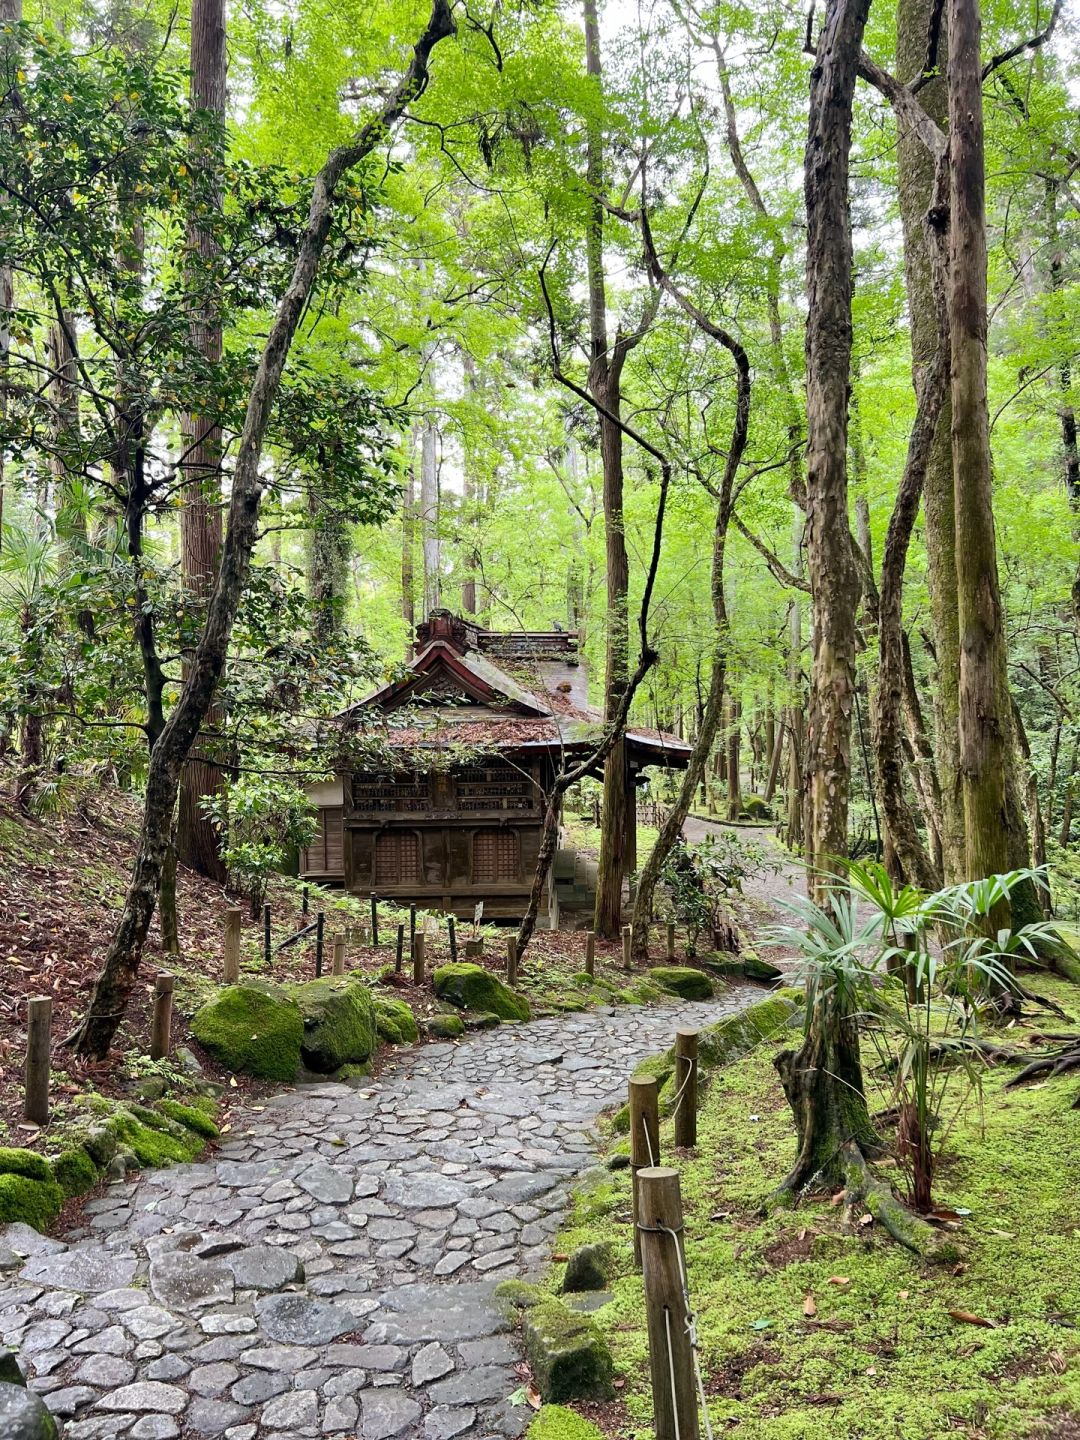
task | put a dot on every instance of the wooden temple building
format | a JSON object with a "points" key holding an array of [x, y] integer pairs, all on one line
{"points": [[481, 720]]}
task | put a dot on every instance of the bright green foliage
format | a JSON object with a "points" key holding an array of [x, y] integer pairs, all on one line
{"points": [[74, 1171], [395, 1021], [883, 1346], [684, 981], [471, 987], [24, 1162], [556, 1422], [339, 1022], [257, 1030], [34, 1202]]}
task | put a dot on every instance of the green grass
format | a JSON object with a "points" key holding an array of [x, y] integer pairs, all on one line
{"points": [[882, 1359]]}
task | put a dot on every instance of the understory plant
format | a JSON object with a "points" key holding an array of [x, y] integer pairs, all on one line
{"points": [[700, 881], [915, 972], [262, 821]]}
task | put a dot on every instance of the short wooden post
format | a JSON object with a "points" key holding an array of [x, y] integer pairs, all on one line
{"points": [[670, 927], [374, 920], [38, 1059], [474, 949], [627, 945], [400, 949], [231, 965], [339, 954], [590, 952], [361, 934], [686, 1048], [320, 926], [451, 930], [304, 901], [161, 1030], [511, 960], [644, 1139], [418, 958], [266, 935], [671, 1355], [412, 930]]}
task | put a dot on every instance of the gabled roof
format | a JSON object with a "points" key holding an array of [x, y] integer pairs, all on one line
{"points": [[477, 676]]}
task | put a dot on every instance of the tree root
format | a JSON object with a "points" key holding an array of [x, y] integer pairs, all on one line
{"points": [[1057, 1064], [865, 1191]]}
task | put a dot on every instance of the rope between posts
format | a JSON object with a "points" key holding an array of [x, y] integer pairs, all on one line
{"points": [[671, 1372]]}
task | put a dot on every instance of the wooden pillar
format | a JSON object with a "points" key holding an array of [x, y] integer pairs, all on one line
{"points": [[671, 1355], [320, 927], [339, 954], [267, 956], [590, 952], [38, 1059], [670, 933], [161, 1028], [231, 962], [644, 1140], [511, 960], [418, 967], [400, 949], [686, 1049], [627, 946], [631, 820]]}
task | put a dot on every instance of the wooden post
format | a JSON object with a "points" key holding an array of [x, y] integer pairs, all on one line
{"points": [[231, 966], [304, 901], [686, 1046], [374, 920], [38, 1059], [670, 941], [644, 1139], [590, 952], [361, 933], [412, 931], [473, 949], [511, 960], [266, 936], [418, 959], [339, 954], [451, 930], [161, 1031], [671, 1355], [320, 926], [627, 943]]}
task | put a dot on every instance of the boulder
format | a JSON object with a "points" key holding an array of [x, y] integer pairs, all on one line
{"points": [[587, 1268], [395, 1021], [746, 966], [567, 1354], [255, 1029], [444, 1027], [684, 981], [338, 1023], [28, 1191], [74, 1171], [23, 1416], [471, 987], [10, 1374]]}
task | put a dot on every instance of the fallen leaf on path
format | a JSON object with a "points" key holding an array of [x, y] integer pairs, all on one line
{"points": [[968, 1318], [840, 1280], [809, 1306], [532, 1395], [866, 1219]]}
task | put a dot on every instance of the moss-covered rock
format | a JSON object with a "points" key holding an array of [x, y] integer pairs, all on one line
{"points": [[567, 1353], [444, 1027], [641, 992], [154, 1140], [24, 1162], [395, 1021], [684, 981], [34, 1202], [594, 982], [471, 987], [483, 1021], [350, 1074], [515, 1295], [747, 966], [253, 1029], [588, 1268], [339, 1023], [24, 1416], [193, 1117], [74, 1171], [556, 1422]]}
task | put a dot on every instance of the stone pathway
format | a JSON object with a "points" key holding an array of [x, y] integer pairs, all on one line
{"points": [[330, 1271]]}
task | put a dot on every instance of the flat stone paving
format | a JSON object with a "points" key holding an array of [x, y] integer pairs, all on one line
{"points": [[330, 1271]]}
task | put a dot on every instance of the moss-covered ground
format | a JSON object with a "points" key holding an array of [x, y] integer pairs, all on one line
{"points": [[811, 1329]]}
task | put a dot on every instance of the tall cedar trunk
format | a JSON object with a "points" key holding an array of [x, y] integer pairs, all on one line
{"points": [[834, 580], [429, 517], [984, 719], [408, 549], [197, 841], [327, 568], [472, 500], [924, 769], [795, 834], [109, 998], [823, 1079], [64, 394], [10, 14], [605, 375], [734, 792], [915, 173], [1070, 449]]}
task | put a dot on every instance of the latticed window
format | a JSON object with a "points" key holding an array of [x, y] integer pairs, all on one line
{"points": [[495, 856], [397, 858], [324, 856]]}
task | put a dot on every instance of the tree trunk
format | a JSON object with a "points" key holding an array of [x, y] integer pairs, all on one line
{"points": [[109, 998], [915, 172], [327, 569], [472, 500], [197, 841], [734, 791], [833, 577], [11, 12], [924, 767], [408, 550], [429, 518]]}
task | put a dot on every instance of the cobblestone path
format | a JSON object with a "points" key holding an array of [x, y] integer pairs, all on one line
{"points": [[329, 1271]]}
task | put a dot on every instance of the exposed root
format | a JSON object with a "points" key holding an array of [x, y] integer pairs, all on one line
{"points": [[865, 1191], [1056, 1064]]}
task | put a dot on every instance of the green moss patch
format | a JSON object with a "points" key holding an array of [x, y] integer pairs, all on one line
{"points": [[256, 1030], [395, 1021], [34, 1202], [339, 1023], [684, 981], [879, 1356], [566, 1352], [192, 1117], [471, 987], [444, 1027], [556, 1422], [74, 1171], [24, 1162]]}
